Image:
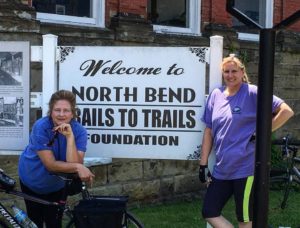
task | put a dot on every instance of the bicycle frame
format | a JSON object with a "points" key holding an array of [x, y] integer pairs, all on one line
{"points": [[293, 171], [296, 172], [8, 217]]}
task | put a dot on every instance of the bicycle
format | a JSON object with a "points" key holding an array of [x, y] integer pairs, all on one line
{"points": [[79, 214], [289, 173]]}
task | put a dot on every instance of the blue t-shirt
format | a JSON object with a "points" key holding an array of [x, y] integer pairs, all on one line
{"points": [[32, 172], [232, 120]]}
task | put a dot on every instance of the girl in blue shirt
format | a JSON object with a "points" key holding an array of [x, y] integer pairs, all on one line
{"points": [[57, 144]]}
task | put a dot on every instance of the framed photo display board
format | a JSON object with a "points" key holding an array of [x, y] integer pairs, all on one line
{"points": [[14, 95]]}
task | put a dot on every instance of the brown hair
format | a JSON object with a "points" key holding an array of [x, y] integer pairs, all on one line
{"points": [[63, 95], [232, 58]]}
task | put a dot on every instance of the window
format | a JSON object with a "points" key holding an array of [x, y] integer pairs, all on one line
{"points": [[176, 16], [259, 11], [78, 12]]}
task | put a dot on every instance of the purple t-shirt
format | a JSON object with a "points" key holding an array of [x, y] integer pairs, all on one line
{"points": [[232, 120]]}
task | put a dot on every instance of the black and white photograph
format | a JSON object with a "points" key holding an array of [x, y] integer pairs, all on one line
{"points": [[11, 111], [11, 68]]}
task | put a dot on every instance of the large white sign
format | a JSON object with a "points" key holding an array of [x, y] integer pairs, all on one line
{"points": [[138, 102]]}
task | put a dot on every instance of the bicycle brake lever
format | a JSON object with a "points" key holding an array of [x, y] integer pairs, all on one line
{"points": [[6, 182]]}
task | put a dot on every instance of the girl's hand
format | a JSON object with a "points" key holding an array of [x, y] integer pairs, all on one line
{"points": [[64, 129], [85, 174]]}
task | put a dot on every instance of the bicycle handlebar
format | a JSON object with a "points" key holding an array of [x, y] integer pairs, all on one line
{"points": [[289, 148], [34, 199]]}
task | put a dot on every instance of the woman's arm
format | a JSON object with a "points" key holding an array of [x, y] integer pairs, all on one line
{"points": [[74, 158], [72, 154], [282, 114], [52, 165], [206, 146]]}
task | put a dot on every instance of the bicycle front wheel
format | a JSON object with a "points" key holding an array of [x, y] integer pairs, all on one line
{"points": [[131, 221]]}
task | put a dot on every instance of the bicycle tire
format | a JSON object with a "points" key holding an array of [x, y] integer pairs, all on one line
{"points": [[131, 221]]}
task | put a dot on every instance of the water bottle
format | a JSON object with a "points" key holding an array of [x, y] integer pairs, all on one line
{"points": [[22, 218]]}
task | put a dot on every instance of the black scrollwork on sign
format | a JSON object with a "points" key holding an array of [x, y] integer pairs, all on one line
{"points": [[196, 155], [64, 52], [200, 52]]}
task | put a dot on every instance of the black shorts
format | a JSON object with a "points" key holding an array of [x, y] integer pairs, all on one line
{"points": [[219, 192]]}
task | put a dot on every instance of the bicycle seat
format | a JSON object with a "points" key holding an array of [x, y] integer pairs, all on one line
{"points": [[6, 182]]}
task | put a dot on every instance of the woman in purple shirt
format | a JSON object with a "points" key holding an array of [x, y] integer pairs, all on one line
{"points": [[230, 118]]}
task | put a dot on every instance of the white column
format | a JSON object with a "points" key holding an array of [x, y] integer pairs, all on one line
{"points": [[215, 80], [215, 76], [216, 56], [49, 69]]}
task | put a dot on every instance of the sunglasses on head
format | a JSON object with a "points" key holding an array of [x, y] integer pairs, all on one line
{"points": [[51, 142]]}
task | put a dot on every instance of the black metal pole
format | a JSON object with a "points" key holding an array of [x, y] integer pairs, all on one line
{"points": [[263, 127]]}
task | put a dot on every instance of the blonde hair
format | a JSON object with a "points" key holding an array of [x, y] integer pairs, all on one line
{"points": [[239, 64], [63, 95]]}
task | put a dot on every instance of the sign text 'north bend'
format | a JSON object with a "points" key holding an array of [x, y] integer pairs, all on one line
{"points": [[127, 94]]}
